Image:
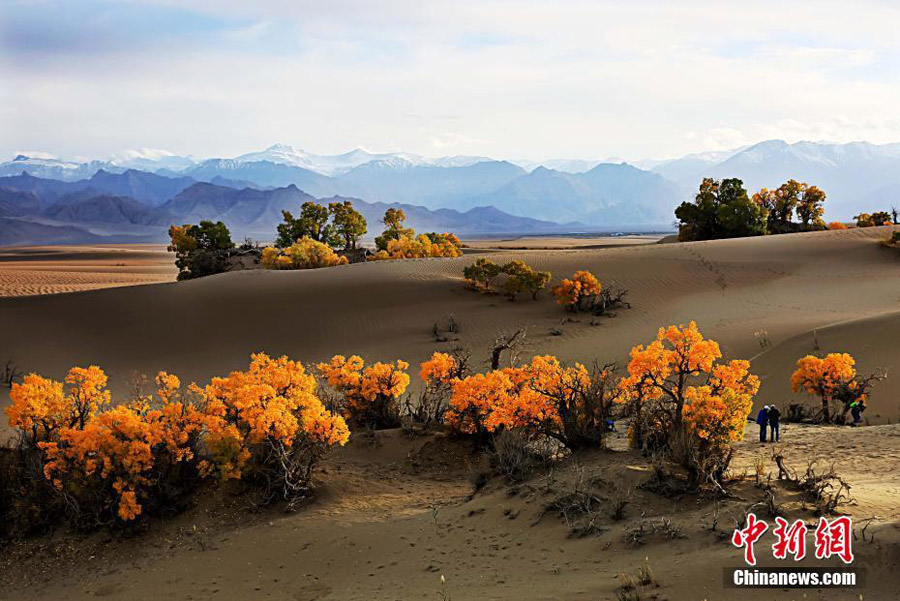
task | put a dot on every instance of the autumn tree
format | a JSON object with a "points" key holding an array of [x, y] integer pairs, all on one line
{"points": [[720, 210], [439, 373], [835, 381], [579, 293], [785, 202], [686, 401], [810, 208], [370, 396], [420, 247], [522, 278], [304, 253], [200, 250], [542, 399], [393, 221], [116, 463], [482, 274], [269, 425], [312, 223], [875, 219], [348, 224]]}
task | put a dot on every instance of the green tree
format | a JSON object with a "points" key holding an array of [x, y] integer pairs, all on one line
{"points": [[200, 250], [523, 278], [312, 223], [348, 224], [721, 210], [482, 273]]}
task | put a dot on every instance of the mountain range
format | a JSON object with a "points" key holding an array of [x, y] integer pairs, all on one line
{"points": [[127, 207], [523, 196]]}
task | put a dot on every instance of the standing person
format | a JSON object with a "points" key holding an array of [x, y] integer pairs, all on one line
{"points": [[856, 409], [774, 424], [762, 419]]}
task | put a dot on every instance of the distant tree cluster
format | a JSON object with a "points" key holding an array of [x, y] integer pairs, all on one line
{"points": [[517, 277], [875, 219], [337, 225], [305, 253], [320, 236], [201, 250], [399, 242], [723, 209]]}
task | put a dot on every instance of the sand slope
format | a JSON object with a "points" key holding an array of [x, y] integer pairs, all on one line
{"points": [[785, 285], [386, 523]]}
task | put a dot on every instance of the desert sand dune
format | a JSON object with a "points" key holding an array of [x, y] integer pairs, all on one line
{"points": [[784, 285], [35, 270], [389, 520]]}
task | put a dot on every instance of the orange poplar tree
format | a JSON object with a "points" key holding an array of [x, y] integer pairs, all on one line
{"points": [[542, 399], [683, 396], [835, 381], [117, 463], [438, 373], [579, 293], [370, 395]]}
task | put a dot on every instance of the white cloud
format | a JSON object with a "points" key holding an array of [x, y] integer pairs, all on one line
{"points": [[520, 78]]}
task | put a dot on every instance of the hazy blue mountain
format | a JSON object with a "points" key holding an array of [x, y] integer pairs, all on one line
{"points": [[688, 170], [153, 161], [148, 188], [26, 232], [264, 174], [256, 213], [607, 195], [46, 190], [856, 177], [337, 164], [431, 186], [15, 203], [53, 168], [87, 206]]}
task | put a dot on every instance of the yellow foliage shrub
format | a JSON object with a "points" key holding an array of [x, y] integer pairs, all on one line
{"points": [[370, 395], [305, 253], [265, 422], [543, 398], [421, 246], [577, 293]]}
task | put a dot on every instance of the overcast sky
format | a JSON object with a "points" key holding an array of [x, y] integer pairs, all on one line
{"points": [[501, 78]]}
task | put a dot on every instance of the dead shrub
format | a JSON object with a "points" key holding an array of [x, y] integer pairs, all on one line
{"points": [[633, 587], [645, 529], [10, 374], [579, 503], [515, 457]]}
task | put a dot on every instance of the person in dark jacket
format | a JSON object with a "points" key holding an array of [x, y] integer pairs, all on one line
{"points": [[774, 424], [762, 419], [856, 409]]}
